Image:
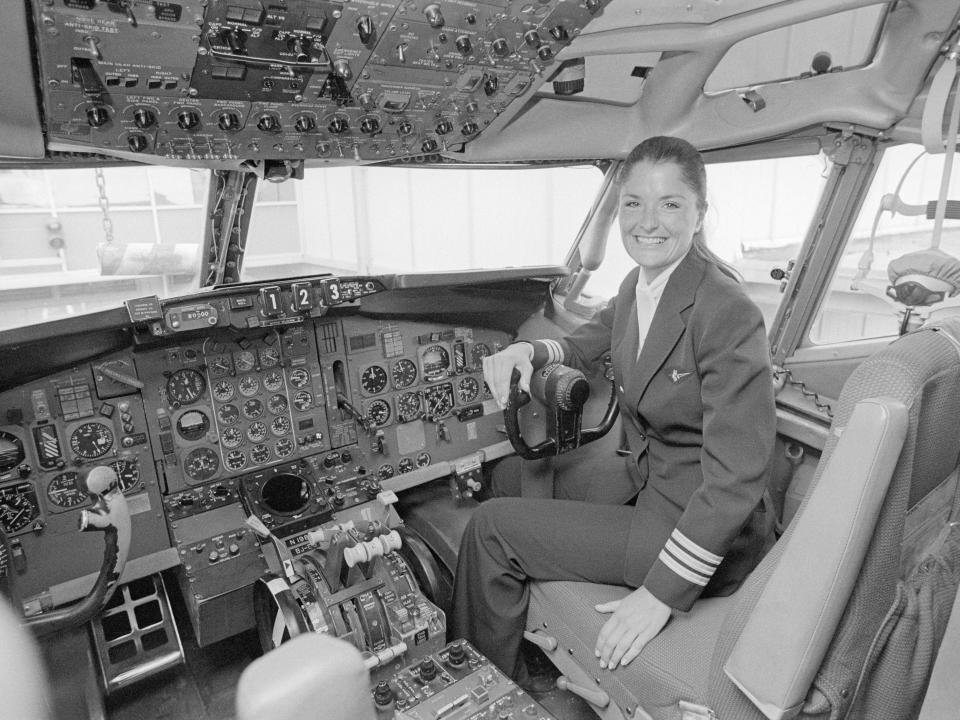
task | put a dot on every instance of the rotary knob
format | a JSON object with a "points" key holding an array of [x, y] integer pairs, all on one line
{"points": [[464, 45], [342, 68], [404, 128], [444, 126], [188, 119], [370, 125], [500, 47], [97, 116], [228, 121], [338, 125], [427, 670], [470, 128], [593, 5], [365, 29], [491, 83], [559, 33], [304, 124], [137, 142], [545, 52], [434, 16], [429, 145], [532, 38], [268, 123], [144, 118]]}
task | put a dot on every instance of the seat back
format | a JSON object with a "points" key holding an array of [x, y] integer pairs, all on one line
{"points": [[921, 371]]}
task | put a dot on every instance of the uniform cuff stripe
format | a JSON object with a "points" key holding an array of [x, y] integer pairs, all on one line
{"points": [[680, 570], [691, 547], [687, 559], [554, 351]]}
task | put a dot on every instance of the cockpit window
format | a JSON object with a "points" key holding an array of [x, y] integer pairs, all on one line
{"points": [[833, 43], [759, 212], [891, 265]]}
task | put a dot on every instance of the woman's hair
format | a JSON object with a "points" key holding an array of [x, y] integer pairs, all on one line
{"points": [[664, 149]]}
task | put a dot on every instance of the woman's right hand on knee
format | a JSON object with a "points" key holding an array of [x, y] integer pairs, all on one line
{"points": [[498, 368]]}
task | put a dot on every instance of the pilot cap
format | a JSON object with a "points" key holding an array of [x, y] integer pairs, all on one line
{"points": [[932, 264]]}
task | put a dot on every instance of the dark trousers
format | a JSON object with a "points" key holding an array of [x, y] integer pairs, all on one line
{"points": [[510, 541]]}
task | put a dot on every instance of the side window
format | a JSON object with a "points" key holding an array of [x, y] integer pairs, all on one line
{"points": [[759, 212], [887, 231]]}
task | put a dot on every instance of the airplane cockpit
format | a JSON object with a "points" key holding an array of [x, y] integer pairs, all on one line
{"points": [[254, 254]]}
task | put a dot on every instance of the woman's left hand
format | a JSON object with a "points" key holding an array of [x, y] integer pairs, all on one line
{"points": [[636, 620]]}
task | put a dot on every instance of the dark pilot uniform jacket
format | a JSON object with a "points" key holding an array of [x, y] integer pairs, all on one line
{"points": [[698, 411]]}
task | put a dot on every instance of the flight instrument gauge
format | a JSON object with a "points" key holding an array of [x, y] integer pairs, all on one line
{"points": [[246, 361], [201, 464], [299, 378], [231, 437], [260, 454], [18, 507], [228, 414], [404, 373], [185, 386], [257, 431], [408, 406], [220, 365], [11, 452], [249, 385], [478, 352], [438, 400], [193, 425], [128, 474], [434, 362], [468, 389], [277, 404], [373, 380], [236, 459], [303, 400], [283, 447], [378, 412], [269, 357], [224, 390], [91, 440], [252, 408], [65, 490], [273, 381]]}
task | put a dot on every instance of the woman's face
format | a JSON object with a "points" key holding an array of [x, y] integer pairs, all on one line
{"points": [[658, 215]]}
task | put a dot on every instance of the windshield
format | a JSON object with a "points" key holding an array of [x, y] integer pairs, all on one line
{"points": [[74, 241]]}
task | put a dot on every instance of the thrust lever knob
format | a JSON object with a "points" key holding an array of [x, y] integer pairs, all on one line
{"points": [[365, 29]]}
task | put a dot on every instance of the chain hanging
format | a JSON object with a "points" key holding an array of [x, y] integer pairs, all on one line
{"points": [[781, 375], [104, 205]]}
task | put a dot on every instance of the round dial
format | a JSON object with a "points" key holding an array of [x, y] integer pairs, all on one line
{"points": [[128, 474], [18, 507], [185, 386], [273, 381], [249, 385], [269, 356], [228, 414], [65, 490], [438, 400], [283, 447], [285, 494], [257, 431], [378, 412], [231, 437], [478, 352], [302, 400], [405, 465], [404, 373], [423, 459], [193, 425], [91, 440], [385, 471], [408, 406], [201, 464], [220, 365], [373, 380], [277, 404], [11, 451], [252, 408], [260, 454], [299, 378], [435, 361], [280, 425], [223, 390], [235, 459], [468, 389], [246, 361]]}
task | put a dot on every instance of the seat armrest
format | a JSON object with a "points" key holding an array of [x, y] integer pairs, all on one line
{"points": [[312, 676], [787, 634]]}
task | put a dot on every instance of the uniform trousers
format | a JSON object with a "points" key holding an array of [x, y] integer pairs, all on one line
{"points": [[511, 541]]}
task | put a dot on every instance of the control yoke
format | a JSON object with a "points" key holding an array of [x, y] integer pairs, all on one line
{"points": [[110, 515], [564, 391]]}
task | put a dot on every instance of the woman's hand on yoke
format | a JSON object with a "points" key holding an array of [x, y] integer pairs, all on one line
{"points": [[636, 620], [498, 368]]}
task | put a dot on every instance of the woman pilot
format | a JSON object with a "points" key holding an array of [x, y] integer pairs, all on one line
{"points": [[693, 372]]}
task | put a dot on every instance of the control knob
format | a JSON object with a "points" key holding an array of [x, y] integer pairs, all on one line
{"points": [[383, 695], [137, 143], [97, 116], [188, 119], [559, 33], [434, 16], [443, 127], [491, 83], [470, 128], [427, 670], [464, 45], [338, 125], [370, 125], [342, 69], [228, 121], [545, 52], [532, 38], [500, 47], [404, 128], [456, 655], [365, 29], [304, 124], [268, 123], [429, 145], [144, 118]]}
